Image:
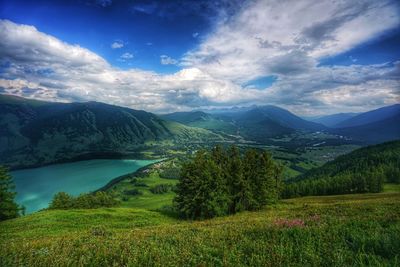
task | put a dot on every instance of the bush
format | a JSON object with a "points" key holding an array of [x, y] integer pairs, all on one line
{"points": [[170, 173], [99, 199], [62, 200], [141, 184], [133, 192], [161, 188]]}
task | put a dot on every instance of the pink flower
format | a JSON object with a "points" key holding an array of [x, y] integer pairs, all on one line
{"points": [[289, 223]]}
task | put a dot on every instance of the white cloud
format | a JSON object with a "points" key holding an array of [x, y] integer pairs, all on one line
{"points": [[266, 38], [166, 60], [126, 55], [195, 34], [104, 3], [117, 45], [258, 40]]}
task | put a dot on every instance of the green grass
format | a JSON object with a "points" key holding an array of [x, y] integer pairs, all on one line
{"points": [[147, 200], [391, 188], [346, 230], [69, 222]]}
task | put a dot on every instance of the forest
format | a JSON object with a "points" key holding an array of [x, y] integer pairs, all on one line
{"points": [[361, 171]]}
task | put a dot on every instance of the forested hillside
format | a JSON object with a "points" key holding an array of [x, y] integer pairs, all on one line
{"points": [[363, 170], [35, 132]]}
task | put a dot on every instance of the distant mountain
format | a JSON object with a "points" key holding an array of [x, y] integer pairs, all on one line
{"points": [[371, 116], [288, 119], [203, 120], [187, 117], [376, 132], [334, 119], [269, 121], [375, 126], [228, 110], [36, 132], [255, 123]]}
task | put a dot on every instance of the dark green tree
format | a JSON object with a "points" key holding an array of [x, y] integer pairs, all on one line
{"points": [[201, 192], [238, 187], [8, 208], [62, 200]]}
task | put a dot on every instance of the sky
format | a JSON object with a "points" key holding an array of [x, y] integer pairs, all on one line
{"points": [[310, 57]]}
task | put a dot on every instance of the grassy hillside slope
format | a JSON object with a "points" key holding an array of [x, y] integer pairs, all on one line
{"points": [[345, 230]]}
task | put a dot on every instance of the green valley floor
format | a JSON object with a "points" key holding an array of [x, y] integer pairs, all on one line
{"points": [[346, 230]]}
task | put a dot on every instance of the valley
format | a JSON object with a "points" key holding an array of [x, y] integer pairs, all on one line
{"points": [[36, 133]]}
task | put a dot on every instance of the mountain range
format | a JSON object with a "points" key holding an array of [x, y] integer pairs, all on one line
{"points": [[334, 119], [35, 132], [257, 123], [263, 122]]}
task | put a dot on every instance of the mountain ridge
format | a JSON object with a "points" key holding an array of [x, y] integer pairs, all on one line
{"points": [[35, 133]]}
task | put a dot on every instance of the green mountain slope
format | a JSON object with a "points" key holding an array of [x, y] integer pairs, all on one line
{"points": [[333, 119], [203, 120], [362, 170], [36, 132], [359, 161], [372, 116], [374, 132]]}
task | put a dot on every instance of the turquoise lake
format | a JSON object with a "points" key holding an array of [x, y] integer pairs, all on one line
{"points": [[35, 187]]}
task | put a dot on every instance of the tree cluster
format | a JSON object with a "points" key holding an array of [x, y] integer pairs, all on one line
{"points": [[361, 171], [99, 199], [224, 182], [8, 208], [161, 188]]}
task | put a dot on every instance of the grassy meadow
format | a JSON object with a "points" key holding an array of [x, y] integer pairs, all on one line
{"points": [[143, 183], [346, 230]]}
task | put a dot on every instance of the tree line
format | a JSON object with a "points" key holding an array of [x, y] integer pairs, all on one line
{"points": [[361, 171], [96, 200], [225, 181]]}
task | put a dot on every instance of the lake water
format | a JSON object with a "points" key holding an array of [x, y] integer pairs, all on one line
{"points": [[35, 187]]}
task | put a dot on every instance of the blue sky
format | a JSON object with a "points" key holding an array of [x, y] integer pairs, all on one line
{"points": [[179, 55], [146, 29]]}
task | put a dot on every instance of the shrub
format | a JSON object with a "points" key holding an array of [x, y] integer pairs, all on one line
{"points": [[62, 200], [141, 184], [170, 173], [161, 188], [99, 199], [133, 192]]}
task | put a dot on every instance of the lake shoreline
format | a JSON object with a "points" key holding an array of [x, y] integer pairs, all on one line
{"points": [[86, 156], [36, 187], [120, 178]]}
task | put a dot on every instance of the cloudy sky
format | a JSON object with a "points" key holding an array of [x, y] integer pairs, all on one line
{"points": [[311, 57]]}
